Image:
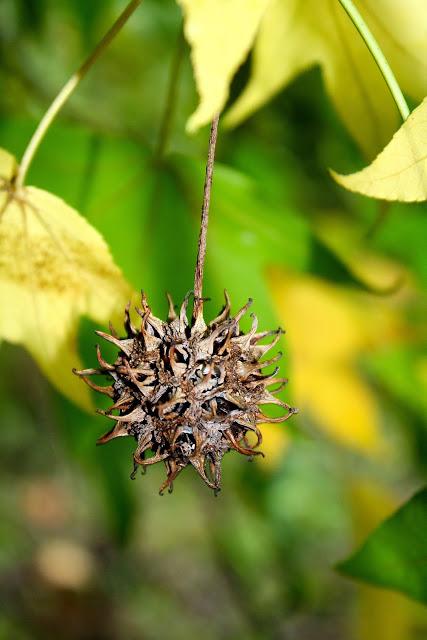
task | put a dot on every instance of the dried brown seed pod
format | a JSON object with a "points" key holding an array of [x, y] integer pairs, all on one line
{"points": [[189, 392]]}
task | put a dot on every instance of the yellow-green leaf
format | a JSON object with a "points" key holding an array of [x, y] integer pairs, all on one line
{"points": [[325, 380], [400, 171], [295, 35], [380, 613], [220, 32], [401, 30], [54, 267]]}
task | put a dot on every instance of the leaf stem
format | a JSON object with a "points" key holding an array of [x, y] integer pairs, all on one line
{"points": [[67, 90], [170, 103], [378, 56], [201, 253]]}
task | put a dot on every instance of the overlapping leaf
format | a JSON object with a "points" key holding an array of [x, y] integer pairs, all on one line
{"points": [[221, 33], [381, 612], [394, 556], [295, 35], [399, 172], [328, 330], [54, 267]]}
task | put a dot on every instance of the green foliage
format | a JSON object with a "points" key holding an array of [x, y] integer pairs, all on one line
{"points": [[394, 556]]}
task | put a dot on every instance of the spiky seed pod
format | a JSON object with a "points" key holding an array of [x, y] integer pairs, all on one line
{"points": [[189, 392]]}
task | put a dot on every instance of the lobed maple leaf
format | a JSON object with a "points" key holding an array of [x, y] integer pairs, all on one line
{"points": [[329, 328], [54, 268], [217, 51], [399, 172], [291, 36]]}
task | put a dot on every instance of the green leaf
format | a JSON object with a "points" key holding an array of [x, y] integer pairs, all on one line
{"points": [[398, 371], [406, 223], [89, 14], [395, 555]]}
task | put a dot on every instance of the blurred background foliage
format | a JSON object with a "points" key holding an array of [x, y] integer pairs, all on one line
{"points": [[85, 552]]}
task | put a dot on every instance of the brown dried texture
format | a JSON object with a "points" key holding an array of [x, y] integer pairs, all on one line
{"points": [[189, 392]]}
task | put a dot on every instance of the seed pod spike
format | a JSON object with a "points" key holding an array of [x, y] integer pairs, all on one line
{"points": [[139, 453], [144, 303], [107, 391], [129, 327], [242, 311], [150, 341], [290, 412], [263, 380], [120, 344], [269, 398], [264, 334], [251, 427], [122, 404], [137, 415], [235, 445], [282, 382], [105, 365], [112, 330], [225, 312], [173, 470], [183, 320], [266, 363], [199, 464], [245, 340], [118, 431], [171, 312], [158, 457], [88, 372], [262, 349], [105, 413]]}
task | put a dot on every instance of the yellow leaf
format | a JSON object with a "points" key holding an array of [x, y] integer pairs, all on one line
{"points": [[275, 443], [400, 171], [54, 267], [327, 330], [221, 33], [282, 50], [337, 400], [379, 613], [312, 310], [295, 35], [401, 30], [59, 370], [380, 274]]}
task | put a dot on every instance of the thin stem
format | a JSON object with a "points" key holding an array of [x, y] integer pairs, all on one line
{"points": [[378, 56], [89, 171], [201, 253], [170, 103], [383, 209], [67, 90], [165, 129]]}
